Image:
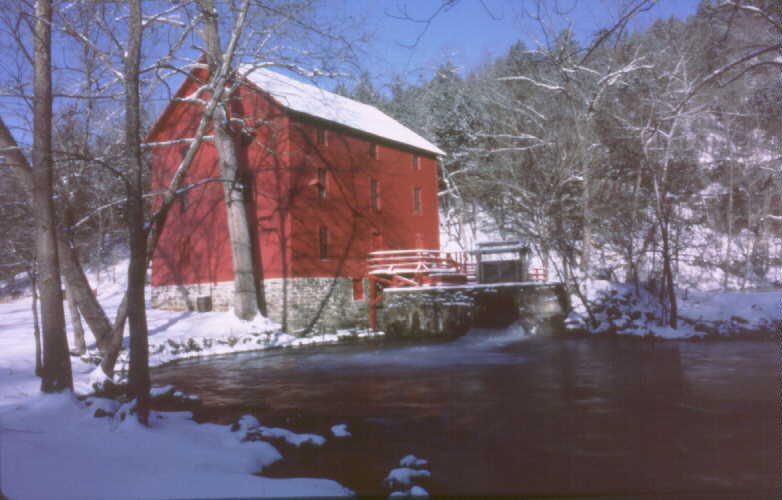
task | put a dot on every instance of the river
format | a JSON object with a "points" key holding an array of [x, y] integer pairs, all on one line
{"points": [[498, 413]]}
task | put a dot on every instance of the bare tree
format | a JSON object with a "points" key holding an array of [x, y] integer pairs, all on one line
{"points": [[220, 65], [56, 372], [138, 372]]}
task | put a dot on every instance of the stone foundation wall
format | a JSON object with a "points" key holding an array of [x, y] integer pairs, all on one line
{"points": [[328, 301], [183, 297], [302, 297], [436, 312]]}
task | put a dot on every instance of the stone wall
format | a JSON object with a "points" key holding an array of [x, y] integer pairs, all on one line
{"points": [[451, 311], [305, 303], [183, 297], [325, 304], [435, 312]]}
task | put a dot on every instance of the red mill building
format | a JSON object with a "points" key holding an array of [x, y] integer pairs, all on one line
{"points": [[327, 180]]}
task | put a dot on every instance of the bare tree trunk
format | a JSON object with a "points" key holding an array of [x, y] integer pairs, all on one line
{"points": [[729, 240], [586, 238], [668, 285], [79, 288], [79, 345], [634, 260], [36, 326], [138, 372], [245, 299], [56, 374], [663, 213]]}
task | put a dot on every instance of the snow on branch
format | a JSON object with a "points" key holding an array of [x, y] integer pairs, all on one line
{"points": [[752, 10], [163, 18], [727, 67], [174, 142], [537, 83], [103, 56], [506, 150], [192, 98], [611, 78]]}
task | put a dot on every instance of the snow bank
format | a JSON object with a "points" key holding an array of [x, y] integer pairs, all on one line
{"points": [[619, 310], [57, 438], [250, 429]]}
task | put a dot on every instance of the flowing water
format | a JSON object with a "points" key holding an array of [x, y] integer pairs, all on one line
{"points": [[496, 412]]}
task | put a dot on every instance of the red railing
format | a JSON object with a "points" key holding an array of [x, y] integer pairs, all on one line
{"points": [[539, 274], [406, 268], [410, 268], [413, 263]]}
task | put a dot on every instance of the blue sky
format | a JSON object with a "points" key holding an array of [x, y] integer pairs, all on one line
{"points": [[478, 30], [469, 33]]}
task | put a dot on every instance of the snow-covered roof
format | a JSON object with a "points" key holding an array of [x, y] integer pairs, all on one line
{"points": [[311, 100]]}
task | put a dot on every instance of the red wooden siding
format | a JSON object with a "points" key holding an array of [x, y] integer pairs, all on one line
{"points": [[288, 160]]}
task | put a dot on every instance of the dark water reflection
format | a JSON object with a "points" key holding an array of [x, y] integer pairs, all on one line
{"points": [[498, 414]]}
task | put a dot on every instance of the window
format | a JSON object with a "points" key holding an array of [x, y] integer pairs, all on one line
{"points": [[321, 136], [374, 194], [416, 162], [322, 184], [373, 151], [324, 242], [358, 289], [417, 201], [183, 252]]}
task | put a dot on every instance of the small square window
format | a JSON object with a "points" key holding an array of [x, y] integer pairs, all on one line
{"points": [[416, 162], [373, 151]]}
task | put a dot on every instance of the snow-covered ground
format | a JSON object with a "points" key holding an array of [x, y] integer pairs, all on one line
{"points": [[51, 446], [619, 310]]}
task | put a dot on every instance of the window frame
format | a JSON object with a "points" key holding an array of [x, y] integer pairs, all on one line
{"points": [[374, 194], [374, 150], [321, 136], [323, 184], [417, 201], [416, 162]]}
